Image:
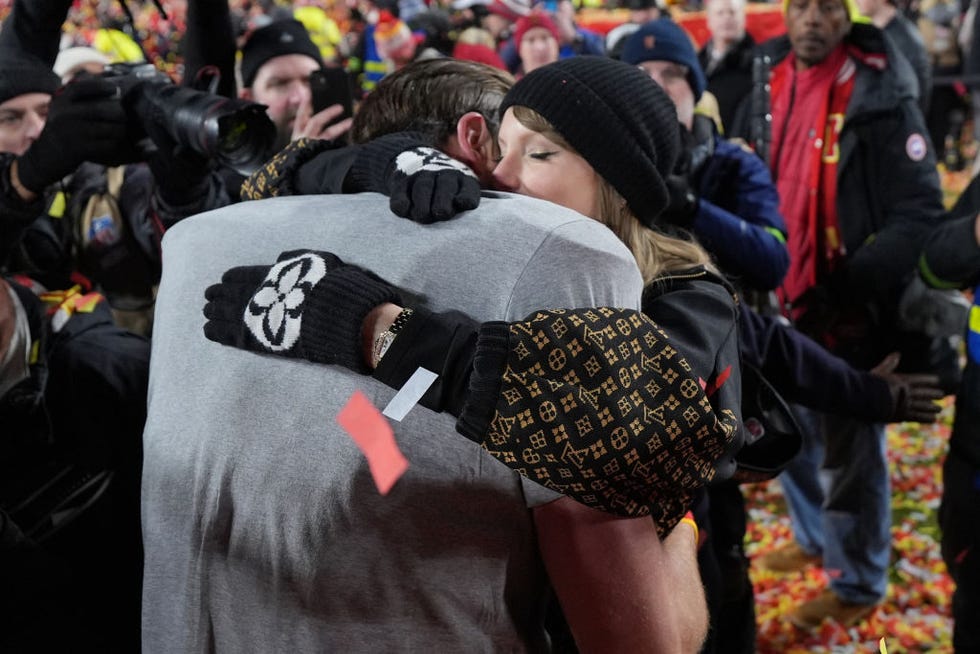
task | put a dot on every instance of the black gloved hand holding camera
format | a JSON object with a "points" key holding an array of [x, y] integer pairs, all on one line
{"points": [[682, 207], [182, 175], [86, 122]]}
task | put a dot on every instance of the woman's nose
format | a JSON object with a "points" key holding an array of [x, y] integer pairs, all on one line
{"points": [[505, 175]]}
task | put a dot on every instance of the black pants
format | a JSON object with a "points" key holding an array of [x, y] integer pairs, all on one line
{"points": [[731, 601], [960, 521]]}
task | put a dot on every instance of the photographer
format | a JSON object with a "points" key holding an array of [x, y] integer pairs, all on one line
{"points": [[64, 208], [276, 63], [72, 406]]}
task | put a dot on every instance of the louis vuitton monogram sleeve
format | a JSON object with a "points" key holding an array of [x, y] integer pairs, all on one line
{"points": [[597, 404]]}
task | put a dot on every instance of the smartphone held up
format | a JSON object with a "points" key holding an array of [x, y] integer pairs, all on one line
{"points": [[330, 86]]}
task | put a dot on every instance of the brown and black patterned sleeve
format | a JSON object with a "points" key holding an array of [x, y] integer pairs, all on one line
{"points": [[598, 405]]}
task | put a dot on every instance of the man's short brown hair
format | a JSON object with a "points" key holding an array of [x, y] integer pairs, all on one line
{"points": [[429, 97]]}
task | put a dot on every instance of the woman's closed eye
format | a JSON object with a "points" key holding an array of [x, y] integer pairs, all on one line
{"points": [[543, 156]]}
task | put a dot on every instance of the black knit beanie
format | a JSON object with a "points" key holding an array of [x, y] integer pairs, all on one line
{"points": [[282, 37], [20, 74], [613, 115]]}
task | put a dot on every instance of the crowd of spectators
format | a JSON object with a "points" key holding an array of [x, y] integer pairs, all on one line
{"points": [[774, 258]]}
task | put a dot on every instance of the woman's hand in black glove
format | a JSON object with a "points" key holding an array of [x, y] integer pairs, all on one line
{"points": [[423, 184], [309, 305]]}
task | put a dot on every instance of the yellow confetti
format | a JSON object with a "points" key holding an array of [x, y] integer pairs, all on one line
{"points": [[882, 647]]}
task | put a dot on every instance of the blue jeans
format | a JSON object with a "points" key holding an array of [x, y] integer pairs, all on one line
{"points": [[839, 497]]}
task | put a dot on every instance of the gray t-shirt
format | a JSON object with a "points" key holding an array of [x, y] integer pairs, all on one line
{"points": [[263, 529]]}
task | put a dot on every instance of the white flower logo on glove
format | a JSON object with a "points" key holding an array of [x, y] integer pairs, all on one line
{"points": [[421, 159], [274, 315]]}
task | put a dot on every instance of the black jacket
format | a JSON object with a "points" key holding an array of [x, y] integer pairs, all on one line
{"points": [[888, 192], [42, 239], [730, 80]]}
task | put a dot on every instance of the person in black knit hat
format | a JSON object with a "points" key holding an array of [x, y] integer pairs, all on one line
{"points": [[275, 67], [597, 136]]}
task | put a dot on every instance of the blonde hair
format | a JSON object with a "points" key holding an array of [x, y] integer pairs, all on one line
{"points": [[655, 252]]}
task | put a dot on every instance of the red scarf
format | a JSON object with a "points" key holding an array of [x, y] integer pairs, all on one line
{"points": [[808, 109]]}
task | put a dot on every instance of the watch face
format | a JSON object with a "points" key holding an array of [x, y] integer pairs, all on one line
{"points": [[386, 342], [383, 343]]}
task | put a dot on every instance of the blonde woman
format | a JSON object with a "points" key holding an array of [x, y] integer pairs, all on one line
{"points": [[572, 135]]}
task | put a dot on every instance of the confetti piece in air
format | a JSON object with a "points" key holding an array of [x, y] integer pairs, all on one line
{"points": [[373, 436], [882, 647]]}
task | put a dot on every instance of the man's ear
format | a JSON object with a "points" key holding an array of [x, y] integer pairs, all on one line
{"points": [[245, 94], [476, 145], [474, 137]]}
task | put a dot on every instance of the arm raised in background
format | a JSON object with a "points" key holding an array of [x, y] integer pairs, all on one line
{"points": [[34, 27], [209, 45]]}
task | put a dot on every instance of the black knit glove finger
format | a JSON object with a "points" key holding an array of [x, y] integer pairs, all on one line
{"points": [[428, 186], [309, 305], [423, 184], [86, 122]]}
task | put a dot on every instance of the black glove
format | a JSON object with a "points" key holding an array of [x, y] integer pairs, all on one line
{"points": [[309, 305], [86, 122], [423, 184], [683, 205], [913, 396]]}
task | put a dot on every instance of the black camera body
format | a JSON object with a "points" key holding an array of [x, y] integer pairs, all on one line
{"points": [[236, 133]]}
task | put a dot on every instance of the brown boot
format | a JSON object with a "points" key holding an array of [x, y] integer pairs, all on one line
{"points": [[827, 605], [788, 558]]}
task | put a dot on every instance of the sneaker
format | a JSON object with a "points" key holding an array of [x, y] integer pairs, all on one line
{"points": [[788, 558], [827, 605]]}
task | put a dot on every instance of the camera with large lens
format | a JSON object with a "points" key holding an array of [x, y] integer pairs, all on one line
{"points": [[236, 133]]}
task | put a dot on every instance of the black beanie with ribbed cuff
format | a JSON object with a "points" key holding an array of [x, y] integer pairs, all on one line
{"points": [[20, 74], [616, 117], [337, 307], [278, 38]]}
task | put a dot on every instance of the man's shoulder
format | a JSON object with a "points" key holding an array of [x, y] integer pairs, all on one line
{"points": [[517, 218]]}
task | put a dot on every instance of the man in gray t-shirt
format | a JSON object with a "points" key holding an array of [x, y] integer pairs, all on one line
{"points": [[263, 529]]}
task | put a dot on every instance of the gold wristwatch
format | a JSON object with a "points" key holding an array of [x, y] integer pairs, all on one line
{"points": [[387, 337]]}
